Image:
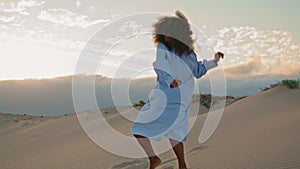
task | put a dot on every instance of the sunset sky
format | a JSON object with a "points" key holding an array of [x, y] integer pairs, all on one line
{"points": [[42, 39]]}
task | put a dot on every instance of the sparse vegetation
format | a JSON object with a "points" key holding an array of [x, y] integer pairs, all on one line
{"points": [[204, 103], [140, 103], [205, 100], [292, 84], [270, 87]]}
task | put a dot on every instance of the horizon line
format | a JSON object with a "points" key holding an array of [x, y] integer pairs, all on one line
{"points": [[70, 75]]}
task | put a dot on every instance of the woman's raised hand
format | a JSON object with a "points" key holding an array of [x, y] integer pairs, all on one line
{"points": [[218, 55]]}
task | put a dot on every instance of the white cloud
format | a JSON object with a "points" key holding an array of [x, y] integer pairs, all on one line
{"points": [[7, 19], [39, 38], [19, 6], [67, 18], [275, 51], [134, 28], [294, 47], [78, 3], [93, 9]]}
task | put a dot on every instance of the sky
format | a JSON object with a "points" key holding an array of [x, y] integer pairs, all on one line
{"points": [[44, 39]]}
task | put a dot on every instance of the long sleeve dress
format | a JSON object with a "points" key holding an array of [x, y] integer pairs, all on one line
{"points": [[166, 111]]}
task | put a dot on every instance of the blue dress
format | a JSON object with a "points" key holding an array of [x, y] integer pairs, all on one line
{"points": [[166, 112]]}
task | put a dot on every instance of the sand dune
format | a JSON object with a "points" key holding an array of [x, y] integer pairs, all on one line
{"points": [[260, 131]]}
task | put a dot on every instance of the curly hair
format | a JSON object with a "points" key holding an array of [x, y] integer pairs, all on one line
{"points": [[175, 33]]}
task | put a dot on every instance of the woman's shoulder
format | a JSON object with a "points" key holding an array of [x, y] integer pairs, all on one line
{"points": [[162, 46], [192, 57], [192, 53]]}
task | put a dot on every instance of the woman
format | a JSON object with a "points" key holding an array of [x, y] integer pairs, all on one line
{"points": [[166, 112]]}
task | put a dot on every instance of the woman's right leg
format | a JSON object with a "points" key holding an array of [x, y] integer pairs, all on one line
{"points": [[146, 145], [179, 151]]}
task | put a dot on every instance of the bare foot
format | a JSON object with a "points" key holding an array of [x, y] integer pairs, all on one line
{"points": [[154, 162]]}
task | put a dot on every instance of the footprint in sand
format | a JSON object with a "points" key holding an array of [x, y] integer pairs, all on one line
{"points": [[196, 149], [136, 164]]}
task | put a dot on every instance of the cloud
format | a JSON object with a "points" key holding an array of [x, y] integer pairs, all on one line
{"points": [[285, 68], [246, 41], [14, 13], [254, 67], [78, 3], [67, 18], [39, 39], [7, 19], [134, 28], [19, 6], [251, 67], [251, 51]]}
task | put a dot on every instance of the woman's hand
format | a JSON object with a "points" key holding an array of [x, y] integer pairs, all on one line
{"points": [[176, 82], [218, 55]]}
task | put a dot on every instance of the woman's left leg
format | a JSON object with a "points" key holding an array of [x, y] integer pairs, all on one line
{"points": [[146, 145]]}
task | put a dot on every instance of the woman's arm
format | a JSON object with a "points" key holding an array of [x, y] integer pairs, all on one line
{"points": [[200, 68]]}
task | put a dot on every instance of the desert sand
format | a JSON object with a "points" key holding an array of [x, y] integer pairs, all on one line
{"points": [[259, 131]]}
